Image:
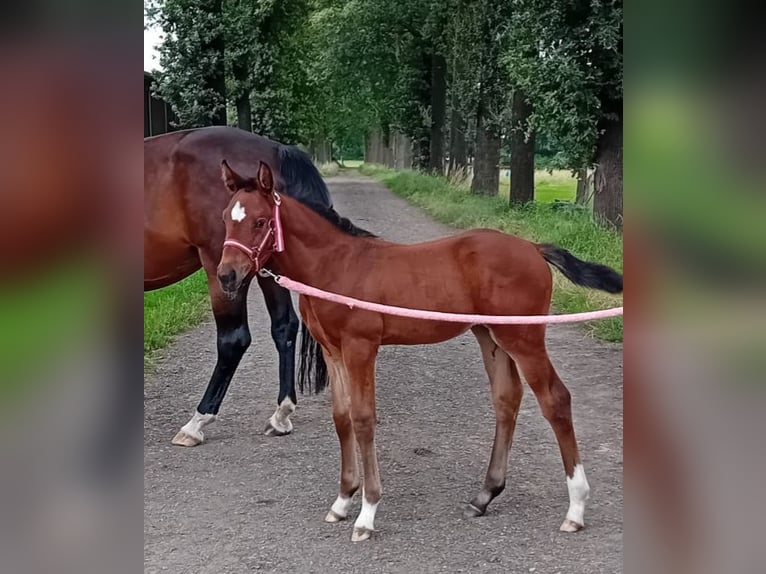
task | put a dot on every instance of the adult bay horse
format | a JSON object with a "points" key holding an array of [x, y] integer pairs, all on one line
{"points": [[183, 231], [479, 272]]}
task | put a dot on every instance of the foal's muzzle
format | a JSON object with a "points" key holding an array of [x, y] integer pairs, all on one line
{"points": [[232, 272]]}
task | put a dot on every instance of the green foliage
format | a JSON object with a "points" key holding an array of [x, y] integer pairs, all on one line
{"points": [[572, 230], [191, 58], [566, 56], [172, 310], [336, 70]]}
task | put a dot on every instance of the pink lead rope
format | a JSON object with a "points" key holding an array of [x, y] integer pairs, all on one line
{"points": [[302, 289]]}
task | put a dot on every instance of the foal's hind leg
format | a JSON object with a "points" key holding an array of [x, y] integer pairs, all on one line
{"points": [[506, 396], [233, 339], [284, 331], [527, 347], [359, 359]]}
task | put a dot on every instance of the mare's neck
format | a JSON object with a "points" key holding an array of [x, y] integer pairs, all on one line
{"points": [[316, 251]]}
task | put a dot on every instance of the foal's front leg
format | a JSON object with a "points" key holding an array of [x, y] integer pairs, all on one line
{"points": [[341, 415], [359, 358]]}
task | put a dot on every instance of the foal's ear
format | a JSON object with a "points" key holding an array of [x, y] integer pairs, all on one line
{"points": [[231, 178], [265, 178]]}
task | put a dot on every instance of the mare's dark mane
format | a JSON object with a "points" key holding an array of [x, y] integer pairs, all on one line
{"points": [[303, 182]]}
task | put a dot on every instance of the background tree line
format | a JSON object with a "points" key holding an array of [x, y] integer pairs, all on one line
{"points": [[444, 86]]}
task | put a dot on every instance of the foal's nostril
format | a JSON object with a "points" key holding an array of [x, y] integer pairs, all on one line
{"points": [[227, 278]]}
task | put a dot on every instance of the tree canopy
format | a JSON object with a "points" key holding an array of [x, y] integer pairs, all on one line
{"points": [[467, 83]]}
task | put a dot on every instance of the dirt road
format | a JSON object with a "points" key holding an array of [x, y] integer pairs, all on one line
{"points": [[243, 502]]}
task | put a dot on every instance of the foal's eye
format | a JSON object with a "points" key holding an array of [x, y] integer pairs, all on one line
{"points": [[260, 223]]}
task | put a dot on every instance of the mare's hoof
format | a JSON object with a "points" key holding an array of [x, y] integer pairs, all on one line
{"points": [[361, 534], [570, 526], [185, 439], [334, 517], [470, 511], [275, 429]]}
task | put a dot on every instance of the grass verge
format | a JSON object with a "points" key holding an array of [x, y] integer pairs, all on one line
{"points": [[571, 229], [172, 310]]}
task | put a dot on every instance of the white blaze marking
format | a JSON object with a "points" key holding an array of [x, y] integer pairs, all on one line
{"points": [[579, 491], [238, 212], [366, 518], [197, 422]]}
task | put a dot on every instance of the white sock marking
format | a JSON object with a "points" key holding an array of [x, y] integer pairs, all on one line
{"points": [[341, 506], [280, 420], [197, 423], [238, 212], [366, 518], [579, 491]]}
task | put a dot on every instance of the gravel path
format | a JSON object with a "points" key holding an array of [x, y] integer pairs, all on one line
{"points": [[243, 502]]}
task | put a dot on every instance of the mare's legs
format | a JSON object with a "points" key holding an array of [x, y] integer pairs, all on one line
{"points": [[341, 415], [359, 359], [233, 339], [507, 391], [284, 331], [526, 345]]}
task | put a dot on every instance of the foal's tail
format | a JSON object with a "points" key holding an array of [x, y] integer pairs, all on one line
{"points": [[592, 275], [311, 365]]}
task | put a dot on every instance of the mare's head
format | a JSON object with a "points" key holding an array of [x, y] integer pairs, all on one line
{"points": [[252, 226]]}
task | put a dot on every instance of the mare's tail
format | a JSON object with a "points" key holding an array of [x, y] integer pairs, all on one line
{"points": [[311, 365], [592, 275]]}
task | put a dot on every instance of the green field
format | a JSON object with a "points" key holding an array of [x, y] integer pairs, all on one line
{"points": [[172, 310], [560, 184], [571, 229]]}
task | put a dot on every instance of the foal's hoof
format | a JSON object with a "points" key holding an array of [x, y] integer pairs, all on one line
{"points": [[275, 429], [334, 517], [360, 534], [570, 526], [185, 439], [471, 511]]}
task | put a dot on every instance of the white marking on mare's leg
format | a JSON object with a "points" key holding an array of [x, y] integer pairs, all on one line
{"points": [[191, 433], [280, 423], [579, 491], [365, 522], [339, 509], [238, 212]]}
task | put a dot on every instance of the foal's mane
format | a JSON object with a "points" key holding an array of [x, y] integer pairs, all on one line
{"points": [[303, 182]]}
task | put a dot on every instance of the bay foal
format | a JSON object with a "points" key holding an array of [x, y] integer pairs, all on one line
{"points": [[479, 271]]}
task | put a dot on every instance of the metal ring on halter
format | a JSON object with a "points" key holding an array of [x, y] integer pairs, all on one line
{"points": [[266, 273], [277, 199]]}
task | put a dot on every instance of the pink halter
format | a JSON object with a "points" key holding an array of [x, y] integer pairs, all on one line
{"points": [[274, 232]]}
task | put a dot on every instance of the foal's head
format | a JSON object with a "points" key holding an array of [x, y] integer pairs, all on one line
{"points": [[250, 226]]}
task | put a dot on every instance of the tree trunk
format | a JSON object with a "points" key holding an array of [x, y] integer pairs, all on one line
{"points": [[402, 151], [320, 151], [372, 154], [486, 169], [387, 147], [583, 187], [522, 152], [438, 113], [217, 80], [244, 114], [457, 151], [607, 197], [368, 149]]}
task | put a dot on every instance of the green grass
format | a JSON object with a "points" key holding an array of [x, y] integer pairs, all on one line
{"points": [[570, 229], [352, 163], [172, 310], [560, 184]]}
